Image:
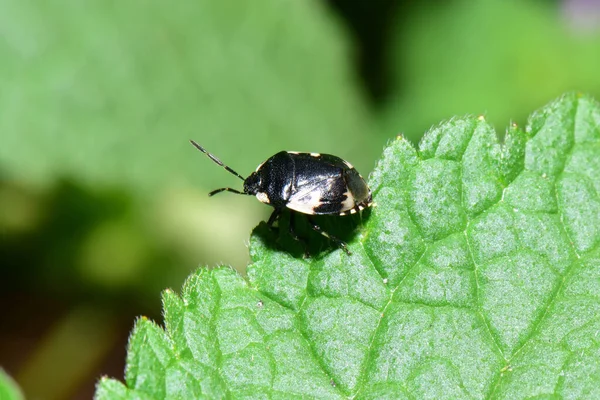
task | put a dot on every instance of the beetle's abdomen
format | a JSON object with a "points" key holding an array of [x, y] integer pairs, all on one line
{"points": [[325, 184]]}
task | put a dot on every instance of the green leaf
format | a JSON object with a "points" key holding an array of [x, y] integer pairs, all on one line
{"points": [[476, 276], [110, 92], [8, 388]]}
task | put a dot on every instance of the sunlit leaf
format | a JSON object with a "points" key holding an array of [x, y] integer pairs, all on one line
{"points": [[477, 276]]}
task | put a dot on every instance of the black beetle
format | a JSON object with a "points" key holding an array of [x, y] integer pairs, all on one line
{"points": [[308, 183]]}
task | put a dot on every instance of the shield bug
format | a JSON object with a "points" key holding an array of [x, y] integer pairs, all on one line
{"points": [[306, 183]]}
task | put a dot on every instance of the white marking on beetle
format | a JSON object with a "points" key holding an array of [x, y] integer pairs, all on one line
{"points": [[305, 205], [263, 197], [315, 154], [350, 166], [349, 202]]}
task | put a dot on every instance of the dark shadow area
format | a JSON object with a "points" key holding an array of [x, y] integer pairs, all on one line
{"points": [[310, 243], [370, 24], [44, 284], [46, 259]]}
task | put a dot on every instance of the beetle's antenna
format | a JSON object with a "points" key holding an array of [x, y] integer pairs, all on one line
{"points": [[226, 189], [216, 160]]}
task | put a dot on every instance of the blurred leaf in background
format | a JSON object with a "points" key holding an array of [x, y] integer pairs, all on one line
{"points": [[108, 93], [493, 57]]}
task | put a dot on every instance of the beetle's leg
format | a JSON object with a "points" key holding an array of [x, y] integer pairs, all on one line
{"points": [[292, 230], [274, 215], [317, 228]]}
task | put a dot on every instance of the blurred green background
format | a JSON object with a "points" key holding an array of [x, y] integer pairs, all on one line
{"points": [[103, 202]]}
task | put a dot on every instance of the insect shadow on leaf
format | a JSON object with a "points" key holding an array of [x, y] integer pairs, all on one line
{"points": [[302, 240]]}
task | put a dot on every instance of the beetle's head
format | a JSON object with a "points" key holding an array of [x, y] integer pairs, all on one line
{"points": [[252, 184]]}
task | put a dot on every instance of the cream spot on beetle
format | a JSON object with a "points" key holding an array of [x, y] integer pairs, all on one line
{"points": [[306, 204], [349, 202], [262, 197]]}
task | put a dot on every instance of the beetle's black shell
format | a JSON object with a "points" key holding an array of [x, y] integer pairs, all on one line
{"points": [[309, 183]]}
